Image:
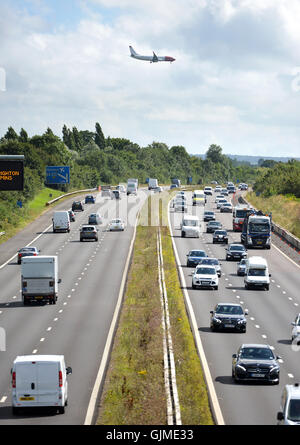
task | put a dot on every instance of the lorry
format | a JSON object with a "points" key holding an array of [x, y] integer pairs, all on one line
{"points": [[39, 381], [61, 221], [238, 216], [257, 273], [256, 231], [132, 186], [39, 279], [152, 184]]}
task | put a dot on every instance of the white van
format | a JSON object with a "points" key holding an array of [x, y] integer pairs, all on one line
{"points": [[257, 273], [39, 381], [190, 226], [289, 413], [61, 221]]}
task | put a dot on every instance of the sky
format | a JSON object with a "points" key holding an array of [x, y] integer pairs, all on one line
{"points": [[235, 81]]}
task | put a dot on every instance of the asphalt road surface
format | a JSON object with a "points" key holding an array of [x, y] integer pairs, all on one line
{"points": [[269, 321], [77, 326]]}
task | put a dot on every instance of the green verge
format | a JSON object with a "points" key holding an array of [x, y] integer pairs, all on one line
{"points": [[285, 210], [134, 391], [30, 212]]}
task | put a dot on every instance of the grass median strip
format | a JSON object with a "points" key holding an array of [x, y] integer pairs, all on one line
{"points": [[134, 391]]}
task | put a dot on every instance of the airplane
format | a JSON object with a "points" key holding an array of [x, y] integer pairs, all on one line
{"points": [[151, 59]]}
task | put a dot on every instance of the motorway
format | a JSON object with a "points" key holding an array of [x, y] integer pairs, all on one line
{"points": [[269, 321], [78, 325]]}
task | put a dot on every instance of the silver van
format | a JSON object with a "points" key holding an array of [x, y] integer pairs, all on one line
{"points": [[95, 218]]}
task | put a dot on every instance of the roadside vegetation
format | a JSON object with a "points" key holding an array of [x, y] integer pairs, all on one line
{"points": [[277, 190], [134, 391]]}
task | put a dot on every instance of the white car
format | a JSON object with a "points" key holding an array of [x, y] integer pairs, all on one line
{"points": [[221, 202], [212, 262], [219, 197], [226, 208], [116, 224], [205, 276], [296, 328]]}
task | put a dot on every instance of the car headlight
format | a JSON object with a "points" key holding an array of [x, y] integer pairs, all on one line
{"points": [[249, 240], [217, 320], [240, 367], [241, 320], [274, 369]]}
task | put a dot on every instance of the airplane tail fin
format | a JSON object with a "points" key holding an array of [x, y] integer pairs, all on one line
{"points": [[132, 52]]}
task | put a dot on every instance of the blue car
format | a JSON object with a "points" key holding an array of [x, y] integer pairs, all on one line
{"points": [[90, 199], [194, 257]]}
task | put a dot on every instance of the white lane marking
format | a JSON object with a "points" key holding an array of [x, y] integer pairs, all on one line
{"points": [[3, 399], [55, 319], [291, 376], [49, 329], [264, 336], [34, 351], [42, 339], [257, 326], [60, 311]]}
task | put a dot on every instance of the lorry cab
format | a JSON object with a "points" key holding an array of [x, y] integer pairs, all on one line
{"points": [[257, 273], [39, 381]]}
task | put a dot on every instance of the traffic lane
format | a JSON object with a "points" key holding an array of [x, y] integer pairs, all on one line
{"points": [[117, 251], [203, 301], [10, 247], [81, 329]]}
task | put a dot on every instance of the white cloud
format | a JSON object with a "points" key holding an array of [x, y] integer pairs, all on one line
{"points": [[231, 82]]}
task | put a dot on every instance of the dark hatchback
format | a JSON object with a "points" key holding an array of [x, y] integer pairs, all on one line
{"points": [[77, 206], [209, 216], [236, 252], [88, 232], [255, 362], [212, 226], [228, 316], [194, 257]]}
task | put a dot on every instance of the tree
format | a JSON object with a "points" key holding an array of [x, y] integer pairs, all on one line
{"points": [[23, 136], [11, 134], [214, 153], [99, 136]]}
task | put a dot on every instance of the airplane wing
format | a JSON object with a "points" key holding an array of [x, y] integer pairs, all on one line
{"points": [[155, 58]]}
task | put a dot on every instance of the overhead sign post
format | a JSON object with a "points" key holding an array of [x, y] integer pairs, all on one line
{"points": [[57, 175], [11, 172]]}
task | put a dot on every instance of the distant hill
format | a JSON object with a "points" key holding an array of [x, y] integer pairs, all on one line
{"points": [[254, 159]]}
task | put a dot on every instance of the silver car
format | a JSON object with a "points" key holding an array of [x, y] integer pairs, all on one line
{"points": [[241, 267], [212, 262]]}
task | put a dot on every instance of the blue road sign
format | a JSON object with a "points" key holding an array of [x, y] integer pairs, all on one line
{"points": [[57, 175]]}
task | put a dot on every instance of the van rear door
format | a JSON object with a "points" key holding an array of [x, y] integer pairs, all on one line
{"points": [[48, 381], [25, 379]]}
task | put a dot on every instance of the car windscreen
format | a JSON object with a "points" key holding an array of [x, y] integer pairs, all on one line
{"points": [[263, 227], [197, 253], [220, 232], [237, 248], [257, 353], [205, 271], [88, 229], [190, 222], [257, 272], [228, 309], [210, 261]]}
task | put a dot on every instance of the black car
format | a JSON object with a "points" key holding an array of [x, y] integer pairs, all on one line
{"points": [[90, 199], [220, 236], [228, 316], [209, 216], [255, 362], [194, 257], [236, 252], [77, 206], [88, 232], [212, 226]]}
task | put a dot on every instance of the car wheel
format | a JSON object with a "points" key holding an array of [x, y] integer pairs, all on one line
{"points": [[193, 286], [267, 287], [61, 410], [216, 287]]}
